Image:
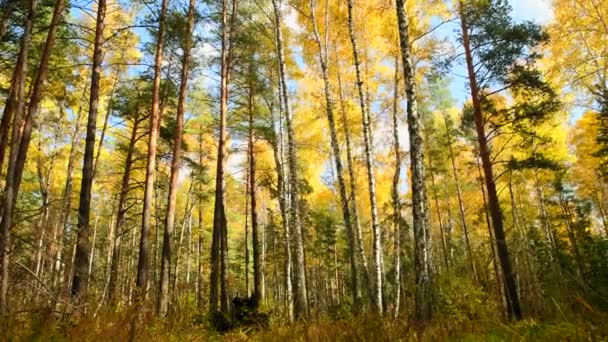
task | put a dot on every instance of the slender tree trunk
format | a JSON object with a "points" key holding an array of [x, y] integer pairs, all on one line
{"points": [[549, 236], [255, 236], [20, 142], [353, 197], [15, 101], [199, 275], [323, 58], [121, 212], [83, 248], [531, 270], [301, 303], [511, 296], [395, 193], [371, 179], [247, 197], [13, 107], [143, 262], [107, 117], [263, 264], [578, 257], [92, 254], [444, 246], [461, 208], [277, 145], [422, 238], [199, 271], [164, 291], [219, 214], [66, 204], [497, 274]]}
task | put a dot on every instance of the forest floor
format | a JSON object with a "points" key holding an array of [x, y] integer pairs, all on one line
{"points": [[108, 326]]}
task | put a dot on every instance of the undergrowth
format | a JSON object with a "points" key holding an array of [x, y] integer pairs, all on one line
{"points": [[138, 325]]}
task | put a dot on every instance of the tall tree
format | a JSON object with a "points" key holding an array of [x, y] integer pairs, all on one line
{"points": [[422, 237], [335, 147], [369, 163], [396, 202], [301, 302], [13, 107], [504, 58], [255, 235], [219, 242], [164, 293], [83, 248], [143, 262], [20, 140]]}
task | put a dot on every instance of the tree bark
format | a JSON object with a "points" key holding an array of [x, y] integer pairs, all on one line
{"points": [[395, 193], [143, 261], [422, 239], [80, 278], [164, 291], [301, 302], [283, 207], [121, 212], [329, 111], [257, 267], [66, 203], [20, 142], [353, 198], [371, 178], [510, 286], [219, 215], [13, 107], [444, 245], [461, 208], [15, 101]]}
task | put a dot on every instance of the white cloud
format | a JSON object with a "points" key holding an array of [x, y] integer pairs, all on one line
{"points": [[539, 11]]}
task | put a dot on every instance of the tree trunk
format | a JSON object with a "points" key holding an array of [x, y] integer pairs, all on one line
{"points": [[277, 153], [578, 257], [257, 267], [20, 143], [80, 278], [121, 213], [511, 296], [337, 159], [422, 238], [15, 101], [301, 302], [92, 255], [353, 196], [218, 249], [66, 203], [247, 197], [497, 274], [395, 194], [14, 105], [143, 262], [461, 209], [164, 291], [199, 274], [371, 179], [549, 236], [444, 245]]}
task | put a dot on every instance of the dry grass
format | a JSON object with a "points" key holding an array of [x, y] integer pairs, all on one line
{"points": [[118, 326]]}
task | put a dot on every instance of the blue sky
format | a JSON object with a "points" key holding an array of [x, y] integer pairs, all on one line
{"points": [[538, 11]]}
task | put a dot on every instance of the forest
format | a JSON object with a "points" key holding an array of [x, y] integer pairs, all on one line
{"points": [[303, 170]]}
